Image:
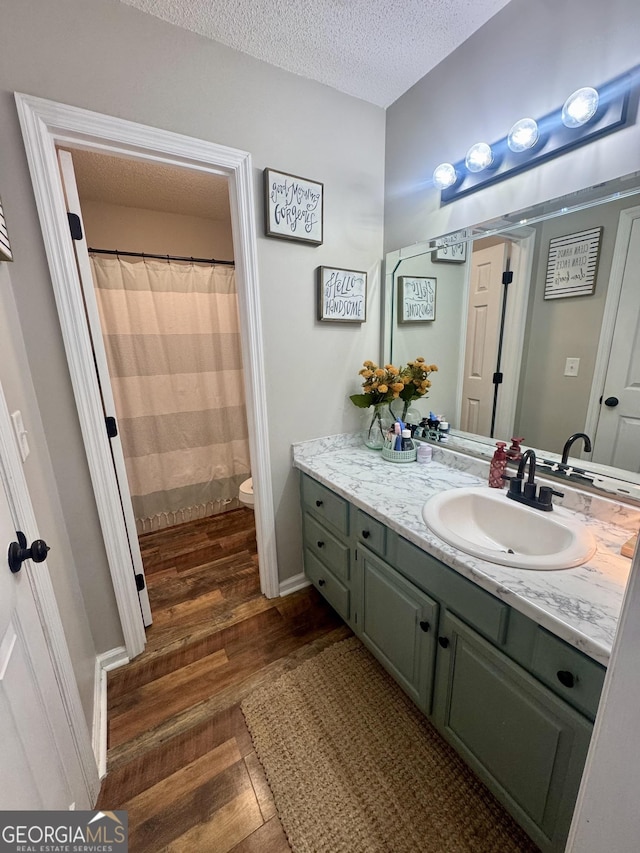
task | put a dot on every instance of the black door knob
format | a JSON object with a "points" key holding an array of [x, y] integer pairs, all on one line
{"points": [[425, 625], [365, 534], [444, 642], [318, 503], [321, 582], [17, 554], [611, 402]]}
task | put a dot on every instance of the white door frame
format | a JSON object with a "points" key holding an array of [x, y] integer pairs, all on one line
{"points": [[84, 771], [46, 124]]}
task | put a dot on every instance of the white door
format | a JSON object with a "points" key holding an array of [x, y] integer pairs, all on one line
{"points": [[38, 762], [617, 437], [483, 325], [95, 330]]}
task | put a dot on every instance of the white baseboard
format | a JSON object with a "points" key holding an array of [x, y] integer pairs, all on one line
{"points": [[105, 662], [294, 584]]}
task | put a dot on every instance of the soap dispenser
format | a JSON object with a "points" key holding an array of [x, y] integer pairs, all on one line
{"points": [[515, 451], [498, 466]]}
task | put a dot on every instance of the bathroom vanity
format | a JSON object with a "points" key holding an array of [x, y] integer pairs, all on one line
{"points": [[508, 664]]}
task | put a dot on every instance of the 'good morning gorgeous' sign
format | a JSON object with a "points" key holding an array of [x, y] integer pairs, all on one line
{"points": [[293, 207]]}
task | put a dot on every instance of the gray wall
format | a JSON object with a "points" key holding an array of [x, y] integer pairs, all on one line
{"points": [[108, 57]]}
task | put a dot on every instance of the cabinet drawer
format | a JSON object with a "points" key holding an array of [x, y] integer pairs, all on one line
{"points": [[568, 672], [328, 584], [325, 546], [478, 608], [325, 504], [370, 532]]}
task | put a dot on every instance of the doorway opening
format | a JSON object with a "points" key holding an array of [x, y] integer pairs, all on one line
{"points": [[48, 125]]}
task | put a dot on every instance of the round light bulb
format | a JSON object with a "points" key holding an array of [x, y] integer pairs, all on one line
{"points": [[523, 135], [444, 176], [580, 107], [479, 157]]}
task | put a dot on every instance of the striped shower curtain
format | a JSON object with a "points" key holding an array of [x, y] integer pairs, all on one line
{"points": [[173, 348]]}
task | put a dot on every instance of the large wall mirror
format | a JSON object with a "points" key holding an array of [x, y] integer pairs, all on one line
{"points": [[564, 332]]}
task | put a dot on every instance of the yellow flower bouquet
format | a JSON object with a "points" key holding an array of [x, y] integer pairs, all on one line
{"points": [[383, 385]]}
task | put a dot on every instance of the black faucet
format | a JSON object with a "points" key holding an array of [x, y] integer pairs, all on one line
{"points": [[569, 442], [528, 494]]}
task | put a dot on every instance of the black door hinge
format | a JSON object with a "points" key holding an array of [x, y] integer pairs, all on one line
{"points": [[507, 277], [497, 378], [112, 426], [74, 226], [139, 582]]}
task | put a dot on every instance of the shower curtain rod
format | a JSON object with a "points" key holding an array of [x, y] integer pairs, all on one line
{"points": [[159, 257]]}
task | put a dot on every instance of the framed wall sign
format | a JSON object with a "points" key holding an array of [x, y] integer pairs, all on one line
{"points": [[452, 251], [342, 295], [573, 264], [416, 299], [5, 248], [293, 207]]}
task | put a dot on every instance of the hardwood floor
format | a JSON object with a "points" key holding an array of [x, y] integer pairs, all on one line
{"points": [[180, 757]]}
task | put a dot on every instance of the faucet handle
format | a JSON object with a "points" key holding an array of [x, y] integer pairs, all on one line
{"points": [[544, 498]]}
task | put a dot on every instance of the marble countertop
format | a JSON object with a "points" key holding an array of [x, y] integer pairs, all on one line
{"points": [[580, 605]]}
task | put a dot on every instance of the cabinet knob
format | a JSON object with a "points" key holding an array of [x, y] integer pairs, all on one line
{"points": [[319, 503], [425, 625], [566, 678], [365, 534], [444, 642], [320, 544], [321, 582]]}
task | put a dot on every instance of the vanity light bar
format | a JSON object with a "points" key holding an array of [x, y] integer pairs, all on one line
{"points": [[587, 114]]}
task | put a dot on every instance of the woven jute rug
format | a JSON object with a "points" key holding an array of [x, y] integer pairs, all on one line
{"points": [[355, 768]]}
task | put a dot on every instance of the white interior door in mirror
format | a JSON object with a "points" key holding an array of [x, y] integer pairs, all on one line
{"points": [[483, 326], [617, 438]]}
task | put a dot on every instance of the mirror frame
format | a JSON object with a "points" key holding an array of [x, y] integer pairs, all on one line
{"points": [[606, 479]]}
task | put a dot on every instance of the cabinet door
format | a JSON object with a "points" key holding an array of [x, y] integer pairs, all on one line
{"points": [[522, 740], [398, 624]]}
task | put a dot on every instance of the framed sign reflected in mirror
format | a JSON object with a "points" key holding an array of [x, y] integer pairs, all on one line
{"points": [[451, 252], [416, 299], [5, 248]]}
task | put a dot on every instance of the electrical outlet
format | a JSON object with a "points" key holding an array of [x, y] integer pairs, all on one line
{"points": [[21, 433], [571, 366]]}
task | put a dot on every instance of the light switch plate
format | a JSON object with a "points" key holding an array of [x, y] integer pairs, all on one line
{"points": [[571, 366]]}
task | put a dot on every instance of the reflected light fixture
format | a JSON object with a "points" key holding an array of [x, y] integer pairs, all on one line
{"points": [[479, 157], [523, 135], [444, 176], [580, 107]]}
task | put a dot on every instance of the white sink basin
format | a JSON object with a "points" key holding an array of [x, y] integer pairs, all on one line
{"points": [[485, 523]]}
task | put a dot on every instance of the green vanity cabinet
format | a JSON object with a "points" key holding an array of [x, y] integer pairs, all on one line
{"points": [[515, 701], [327, 545], [399, 625], [526, 744]]}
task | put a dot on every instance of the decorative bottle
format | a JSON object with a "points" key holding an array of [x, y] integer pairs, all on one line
{"points": [[515, 451], [498, 466]]}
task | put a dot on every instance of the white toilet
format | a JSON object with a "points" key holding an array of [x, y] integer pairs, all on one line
{"points": [[245, 494]]}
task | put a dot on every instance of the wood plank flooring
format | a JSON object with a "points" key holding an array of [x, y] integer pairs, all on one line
{"points": [[180, 757]]}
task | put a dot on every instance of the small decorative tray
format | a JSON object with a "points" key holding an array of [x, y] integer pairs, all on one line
{"points": [[392, 455]]}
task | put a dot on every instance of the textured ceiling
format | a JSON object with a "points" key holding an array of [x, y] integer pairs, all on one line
{"points": [[373, 49], [136, 183]]}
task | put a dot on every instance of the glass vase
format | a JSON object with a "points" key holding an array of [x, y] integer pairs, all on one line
{"points": [[377, 420], [407, 412]]}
